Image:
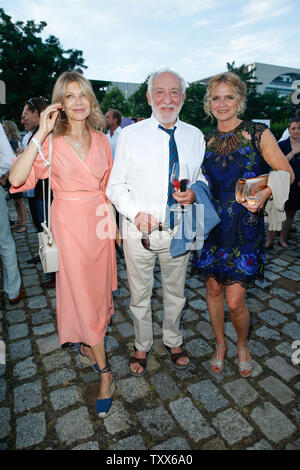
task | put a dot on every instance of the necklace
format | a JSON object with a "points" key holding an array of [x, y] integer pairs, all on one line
{"points": [[77, 145]]}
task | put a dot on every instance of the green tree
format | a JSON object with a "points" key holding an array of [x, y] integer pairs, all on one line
{"points": [[192, 110], [29, 66], [115, 99], [139, 107]]}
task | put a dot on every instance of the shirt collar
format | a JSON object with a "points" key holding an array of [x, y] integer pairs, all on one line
{"points": [[154, 123]]}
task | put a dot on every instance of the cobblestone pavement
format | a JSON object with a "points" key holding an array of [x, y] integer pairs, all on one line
{"points": [[47, 397]]}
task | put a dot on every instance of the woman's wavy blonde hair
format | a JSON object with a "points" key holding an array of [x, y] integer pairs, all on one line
{"points": [[95, 120], [11, 130], [239, 90]]}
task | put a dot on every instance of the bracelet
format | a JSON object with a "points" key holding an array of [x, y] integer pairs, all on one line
{"points": [[38, 145]]}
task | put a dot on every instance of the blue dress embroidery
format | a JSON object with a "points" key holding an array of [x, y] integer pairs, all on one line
{"points": [[234, 251]]}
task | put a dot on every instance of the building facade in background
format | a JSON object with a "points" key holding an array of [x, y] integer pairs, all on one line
{"points": [[285, 80]]}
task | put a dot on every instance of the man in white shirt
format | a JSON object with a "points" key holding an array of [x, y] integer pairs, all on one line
{"points": [[11, 274], [113, 120], [139, 188]]}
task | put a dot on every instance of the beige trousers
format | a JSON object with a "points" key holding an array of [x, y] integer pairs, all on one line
{"points": [[140, 271]]}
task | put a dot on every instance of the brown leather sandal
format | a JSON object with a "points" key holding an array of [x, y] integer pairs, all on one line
{"points": [[175, 356], [141, 361]]}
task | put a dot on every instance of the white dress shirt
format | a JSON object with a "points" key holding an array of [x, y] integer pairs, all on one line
{"points": [[25, 139], [6, 153], [140, 175], [113, 139]]}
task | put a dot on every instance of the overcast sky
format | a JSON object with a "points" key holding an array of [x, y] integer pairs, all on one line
{"points": [[126, 40]]}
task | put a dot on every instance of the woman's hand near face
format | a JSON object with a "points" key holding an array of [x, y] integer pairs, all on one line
{"points": [[48, 118]]}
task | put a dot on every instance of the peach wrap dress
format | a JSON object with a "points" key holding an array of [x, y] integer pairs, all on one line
{"points": [[84, 233]]}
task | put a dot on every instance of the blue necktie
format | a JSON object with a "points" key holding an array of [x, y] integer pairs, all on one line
{"points": [[173, 157]]}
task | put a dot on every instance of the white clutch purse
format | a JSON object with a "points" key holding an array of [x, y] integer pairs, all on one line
{"points": [[48, 251]]}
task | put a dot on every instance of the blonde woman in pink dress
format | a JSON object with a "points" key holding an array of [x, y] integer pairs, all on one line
{"points": [[80, 219]]}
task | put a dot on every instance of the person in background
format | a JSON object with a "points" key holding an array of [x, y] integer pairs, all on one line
{"points": [[291, 149], [233, 254], [141, 189], [81, 165], [13, 136], [113, 121], [11, 274]]}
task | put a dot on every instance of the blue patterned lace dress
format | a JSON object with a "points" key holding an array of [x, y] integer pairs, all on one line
{"points": [[234, 251]]}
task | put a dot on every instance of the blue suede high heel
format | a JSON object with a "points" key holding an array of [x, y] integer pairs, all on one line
{"points": [[103, 406], [85, 360]]}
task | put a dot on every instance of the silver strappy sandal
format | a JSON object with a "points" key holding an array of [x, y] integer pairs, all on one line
{"points": [[216, 361], [245, 367]]}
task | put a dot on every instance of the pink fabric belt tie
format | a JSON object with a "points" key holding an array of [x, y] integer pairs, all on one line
{"points": [[76, 195]]}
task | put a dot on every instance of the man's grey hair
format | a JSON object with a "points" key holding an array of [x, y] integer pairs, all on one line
{"points": [[152, 77]]}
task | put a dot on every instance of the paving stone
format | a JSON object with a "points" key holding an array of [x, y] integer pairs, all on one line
{"points": [[129, 443], [278, 390], [293, 445], [271, 276], [190, 419], [272, 318], [133, 388], [292, 329], [254, 306], [281, 306], [3, 389], [56, 360], [232, 426], [118, 419], [285, 348], [27, 396], [291, 275], [205, 329], [178, 443], [17, 331], [156, 421], [37, 302], [41, 317], [126, 329], [25, 369], [92, 445], [261, 445], [267, 333], [198, 347], [20, 349], [164, 385], [43, 329], [61, 377], [258, 293], [282, 368], [230, 331], [5, 422], [119, 365], [64, 397], [30, 430], [241, 391], [208, 394], [194, 283], [198, 304], [48, 344], [257, 348], [283, 293], [272, 422], [110, 344], [74, 426], [15, 316], [187, 315]]}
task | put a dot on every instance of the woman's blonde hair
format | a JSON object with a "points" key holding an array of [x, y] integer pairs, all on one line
{"points": [[239, 90], [11, 130], [95, 120]]}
